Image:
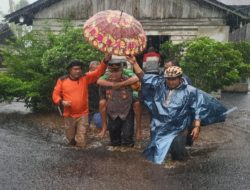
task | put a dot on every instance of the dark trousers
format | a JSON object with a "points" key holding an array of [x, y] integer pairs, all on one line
{"points": [[121, 132], [189, 141], [177, 149]]}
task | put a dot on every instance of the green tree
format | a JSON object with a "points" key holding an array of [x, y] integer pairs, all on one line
{"points": [[168, 50], [36, 60], [210, 64], [244, 48]]}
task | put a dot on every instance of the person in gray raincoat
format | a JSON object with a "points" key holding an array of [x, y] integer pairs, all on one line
{"points": [[174, 105]]}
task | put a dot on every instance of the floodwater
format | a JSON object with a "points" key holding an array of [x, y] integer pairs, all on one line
{"points": [[33, 155]]}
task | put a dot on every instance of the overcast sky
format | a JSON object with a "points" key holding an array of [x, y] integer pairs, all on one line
{"points": [[4, 5]]}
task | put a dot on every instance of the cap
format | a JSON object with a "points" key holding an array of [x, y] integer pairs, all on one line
{"points": [[113, 67], [74, 63], [117, 59], [173, 72]]}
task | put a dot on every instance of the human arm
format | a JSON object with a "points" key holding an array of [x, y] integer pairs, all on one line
{"points": [[127, 82], [197, 109], [102, 81], [137, 69], [92, 76], [196, 130], [57, 95]]}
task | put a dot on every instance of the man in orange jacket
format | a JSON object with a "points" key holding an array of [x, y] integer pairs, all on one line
{"points": [[71, 91]]}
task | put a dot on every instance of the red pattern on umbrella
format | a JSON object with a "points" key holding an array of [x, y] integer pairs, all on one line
{"points": [[115, 32]]}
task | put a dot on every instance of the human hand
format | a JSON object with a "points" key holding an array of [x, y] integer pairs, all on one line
{"points": [[107, 58], [102, 134], [136, 86], [131, 59], [195, 132], [116, 85], [66, 103]]}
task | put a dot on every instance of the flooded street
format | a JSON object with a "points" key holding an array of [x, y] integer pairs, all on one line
{"points": [[33, 155]]}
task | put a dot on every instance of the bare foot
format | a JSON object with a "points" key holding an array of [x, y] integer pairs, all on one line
{"points": [[102, 134]]}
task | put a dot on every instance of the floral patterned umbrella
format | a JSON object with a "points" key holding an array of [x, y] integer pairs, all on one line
{"points": [[115, 32]]}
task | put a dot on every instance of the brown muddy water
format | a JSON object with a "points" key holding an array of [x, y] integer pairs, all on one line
{"points": [[33, 155]]}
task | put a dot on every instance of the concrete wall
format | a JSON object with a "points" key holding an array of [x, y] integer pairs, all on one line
{"points": [[219, 33]]}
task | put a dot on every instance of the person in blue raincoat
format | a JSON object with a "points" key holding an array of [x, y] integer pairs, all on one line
{"points": [[174, 105]]}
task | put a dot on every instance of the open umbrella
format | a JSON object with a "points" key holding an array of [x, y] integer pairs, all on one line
{"points": [[115, 32]]}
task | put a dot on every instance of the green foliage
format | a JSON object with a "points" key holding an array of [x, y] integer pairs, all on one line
{"points": [[244, 48], [210, 64], [168, 50], [35, 61], [11, 88]]}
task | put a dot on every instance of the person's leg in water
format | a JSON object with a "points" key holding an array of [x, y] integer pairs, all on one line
{"points": [[127, 130], [137, 111], [189, 140], [82, 125], [70, 130], [103, 112], [177, 149], [115, 131]]}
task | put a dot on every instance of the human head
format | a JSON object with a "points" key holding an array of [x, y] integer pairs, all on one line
{"points": [[93, 65], [115, 66], [173, 76], [75, 69], [170, 62], [116, 63]]}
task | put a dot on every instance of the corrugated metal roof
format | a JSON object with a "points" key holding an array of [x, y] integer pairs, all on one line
{"points": [[235, 2]]}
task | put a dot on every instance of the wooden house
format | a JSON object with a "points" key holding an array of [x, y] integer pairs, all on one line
{"points": [[176, 20]]}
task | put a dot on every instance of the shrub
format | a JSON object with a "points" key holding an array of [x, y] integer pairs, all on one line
{"points": [[210, 64], [168, 50], [11, 88], [36, 60], [244, 48]]}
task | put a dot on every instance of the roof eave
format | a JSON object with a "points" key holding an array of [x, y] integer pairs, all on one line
{"points": [[227, 8], [28, 10]]}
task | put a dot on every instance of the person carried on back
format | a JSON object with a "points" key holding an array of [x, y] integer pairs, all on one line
{"points": [[119, 96]]}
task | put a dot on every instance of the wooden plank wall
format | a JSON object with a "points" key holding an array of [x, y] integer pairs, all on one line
{"points": [[179, 19]]}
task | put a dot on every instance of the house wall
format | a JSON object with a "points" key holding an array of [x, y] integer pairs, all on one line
{"points": [[241, 34], [180, 19]]}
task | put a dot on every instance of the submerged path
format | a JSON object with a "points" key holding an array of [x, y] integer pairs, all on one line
{"points": [[32, 157]]}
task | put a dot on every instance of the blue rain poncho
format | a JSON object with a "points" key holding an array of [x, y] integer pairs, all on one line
{"points": [[172, 111]]}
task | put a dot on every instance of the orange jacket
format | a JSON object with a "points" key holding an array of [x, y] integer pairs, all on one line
{"points": [[76, 91]]}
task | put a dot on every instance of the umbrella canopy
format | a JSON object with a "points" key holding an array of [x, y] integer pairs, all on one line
{"points": [[115, 32]]}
